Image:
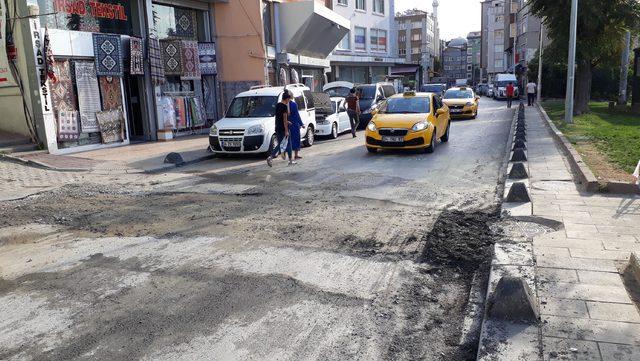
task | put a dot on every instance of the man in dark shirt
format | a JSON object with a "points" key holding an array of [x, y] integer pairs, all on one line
{"points": [[353, 109], [282, 127]]}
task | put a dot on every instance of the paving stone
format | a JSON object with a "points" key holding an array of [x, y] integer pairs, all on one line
{"points": [[618, 230], [513, 254], [561, 307], [587, 292], [613, 312], [509, 341], [556, 349], [591, 330], [601, 265], [590, 253], [561, 241], [617, 352], [600, 278], [551, 251], [615, 245], [557, 275]]}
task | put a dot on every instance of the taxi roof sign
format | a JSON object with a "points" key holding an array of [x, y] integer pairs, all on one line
{"points": [[409, 93]]}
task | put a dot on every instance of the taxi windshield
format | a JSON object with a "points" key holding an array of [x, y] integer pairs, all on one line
{"points": [[405, 105], [458, 94]]}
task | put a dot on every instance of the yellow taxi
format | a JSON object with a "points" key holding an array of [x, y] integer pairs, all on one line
{"points": [[462, 102], [409, 121]]}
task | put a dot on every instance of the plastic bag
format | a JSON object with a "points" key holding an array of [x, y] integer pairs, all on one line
{"points": [[283, 144]]}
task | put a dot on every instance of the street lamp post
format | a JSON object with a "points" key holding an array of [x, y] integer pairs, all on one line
{"points": [[571, 64], [540, 53]]}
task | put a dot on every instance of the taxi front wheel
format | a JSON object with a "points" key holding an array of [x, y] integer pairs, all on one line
{"points": [[432, 147]]}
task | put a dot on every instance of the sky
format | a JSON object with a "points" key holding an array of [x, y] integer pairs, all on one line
{"points": [[457, 17]]}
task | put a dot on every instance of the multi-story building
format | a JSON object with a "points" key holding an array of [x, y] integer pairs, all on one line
{"points": [[418, 41], [454, 60], [528, 37], [493, 58], [474, 43], [368, 52]]}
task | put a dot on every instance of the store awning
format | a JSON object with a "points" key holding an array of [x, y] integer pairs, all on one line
{"points": [[310, 29], [404, 69]]}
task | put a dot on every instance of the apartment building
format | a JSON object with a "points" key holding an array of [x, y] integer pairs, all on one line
{"points": [[493, 58], [454, 60], [368, 52], [528, 36], [418, 39], [474, 44]]}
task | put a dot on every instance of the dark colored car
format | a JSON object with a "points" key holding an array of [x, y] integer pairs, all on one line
{"points": [[435, 88], [371, 95]]}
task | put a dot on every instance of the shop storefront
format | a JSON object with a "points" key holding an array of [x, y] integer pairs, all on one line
{"points": [[115, 71]]}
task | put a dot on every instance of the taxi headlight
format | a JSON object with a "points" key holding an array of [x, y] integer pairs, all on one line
{"points": [[372, 126], [255, 130], [420, 126], [213, 131]]}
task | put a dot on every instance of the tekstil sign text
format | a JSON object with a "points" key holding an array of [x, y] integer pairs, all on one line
{"points": [[96, 9]]}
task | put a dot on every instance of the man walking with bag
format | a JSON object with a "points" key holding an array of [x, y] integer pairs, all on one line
{"points": [[353, 109], [282, 129]]}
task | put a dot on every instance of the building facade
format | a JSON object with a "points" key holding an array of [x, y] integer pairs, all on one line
{"points": [[454, 60], [474, 70], [493, 58], [368, 52], [418, 41], [529, 28]]}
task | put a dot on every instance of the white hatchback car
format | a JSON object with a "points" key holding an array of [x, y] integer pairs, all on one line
{"points": [[249, 125], [335, 123]]}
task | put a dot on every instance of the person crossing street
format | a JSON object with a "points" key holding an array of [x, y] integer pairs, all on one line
{"points": [[282, 129]]}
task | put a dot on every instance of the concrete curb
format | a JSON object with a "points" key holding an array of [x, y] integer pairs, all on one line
{"points": [[35, 164], [633, 268], [579, 167], [169, 166]]}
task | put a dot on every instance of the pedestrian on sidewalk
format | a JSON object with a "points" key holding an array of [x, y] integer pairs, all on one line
{"points": [[295, 127], [353, 109], [636, 174], [282, 129], [531, 92], [510, 92]]}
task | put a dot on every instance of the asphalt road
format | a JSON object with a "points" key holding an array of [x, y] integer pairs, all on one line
{"points": [[346, 255]]}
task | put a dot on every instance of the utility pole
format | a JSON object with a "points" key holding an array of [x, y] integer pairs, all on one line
{"points": [[571, 64], [540, 53], [624, 69]]}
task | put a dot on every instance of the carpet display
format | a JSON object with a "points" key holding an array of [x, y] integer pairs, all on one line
{"points": [[68, 128], [155, 62], [181, 112], [88, 95], [167, 120], [197, 111], [137, 56], [186, 24], [62, 94], [207, 55], [111, 93], [172, 56], [110, 125], [107, 50], [190, 61]]}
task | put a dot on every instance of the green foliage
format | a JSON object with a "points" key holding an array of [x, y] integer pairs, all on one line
{"points": [[615, 134]]}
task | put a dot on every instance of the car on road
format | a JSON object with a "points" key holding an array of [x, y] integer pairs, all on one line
{"points": [[436, 88], [462, 102], [490, 90], [334, 123], [249, 124], [338, 88], [409, 121], [371, 96], [483, 88], [502, 80]]}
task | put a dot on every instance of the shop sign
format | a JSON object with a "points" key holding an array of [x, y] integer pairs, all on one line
{"points": [[97, 9], [38, 49], [6, 79], [103, 16]]}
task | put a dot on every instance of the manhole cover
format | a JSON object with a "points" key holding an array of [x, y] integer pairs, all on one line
{"points": [[527, 228]]}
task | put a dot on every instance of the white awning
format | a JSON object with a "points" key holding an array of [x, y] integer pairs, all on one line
{"points": [[310, 29]]}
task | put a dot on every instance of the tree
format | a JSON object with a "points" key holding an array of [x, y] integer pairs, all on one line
{"points": [[601, 25]]}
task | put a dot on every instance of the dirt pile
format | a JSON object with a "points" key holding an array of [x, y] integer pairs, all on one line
{"points": [[461, 240]]}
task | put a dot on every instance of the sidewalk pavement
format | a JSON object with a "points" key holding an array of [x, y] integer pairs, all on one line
{"points": [[134, 158], [586, 311]]}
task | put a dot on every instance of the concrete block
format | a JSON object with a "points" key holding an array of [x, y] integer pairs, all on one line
{"points": [[519, 156], [613, 312], [546, 274], [600, 278], [513, 301], [521, 133], [518, 194], [633, 268], [617, 352], [585, 292], [521, 136], [519, 144], [518, 171], [502, 340], [567, 349], [567, 308], [591, 330], [174, 158]]}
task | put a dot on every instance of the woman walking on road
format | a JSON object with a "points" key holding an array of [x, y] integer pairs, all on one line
{"points": [[282, 129], [295, 125]]}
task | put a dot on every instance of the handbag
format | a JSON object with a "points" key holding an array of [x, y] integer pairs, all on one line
{"points": [[283, 144]]}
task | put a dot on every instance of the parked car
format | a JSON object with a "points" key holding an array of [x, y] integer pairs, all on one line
{"points": [[482, 89], [409, 121], [335, 122], [490, 90], [436, 88], [249, 124], [371, 95], [338, 88], [462, 102], [502, 80]]}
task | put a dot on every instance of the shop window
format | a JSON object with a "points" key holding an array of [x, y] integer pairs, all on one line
{"points": [[176, 22], [360, 38], [378, 40], [112, 17], [345, 43]]}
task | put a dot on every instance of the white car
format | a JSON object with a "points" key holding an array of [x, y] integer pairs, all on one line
{"points": [[335, 123], [249, 125]]}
